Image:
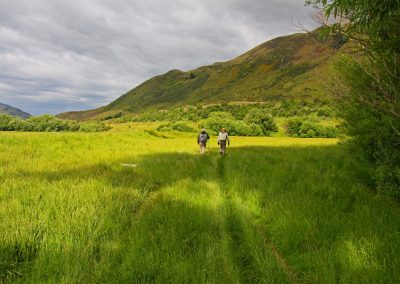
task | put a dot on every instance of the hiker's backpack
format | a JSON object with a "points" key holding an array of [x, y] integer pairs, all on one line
{"points": [[203, 137]]}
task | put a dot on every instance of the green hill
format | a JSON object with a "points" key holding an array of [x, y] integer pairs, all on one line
{"points": [[6, 109], [283, 68]]}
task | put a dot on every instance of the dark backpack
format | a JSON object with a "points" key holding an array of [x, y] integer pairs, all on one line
{"points": [[203, 137]]}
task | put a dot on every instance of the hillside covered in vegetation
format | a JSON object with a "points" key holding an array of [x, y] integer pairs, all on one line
{"points": [[289, 67]]}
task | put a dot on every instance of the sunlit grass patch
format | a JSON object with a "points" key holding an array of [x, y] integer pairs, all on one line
{"points": [[272, 210]]}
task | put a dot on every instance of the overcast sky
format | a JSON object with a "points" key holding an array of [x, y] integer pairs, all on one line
{"points": [[58, 55]]}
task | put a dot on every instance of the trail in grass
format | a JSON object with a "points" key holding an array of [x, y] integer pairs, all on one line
{"points": [[198, 224], [236, 226]]}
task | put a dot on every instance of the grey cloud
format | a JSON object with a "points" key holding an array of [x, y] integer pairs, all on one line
{"points": [[68, 55]]}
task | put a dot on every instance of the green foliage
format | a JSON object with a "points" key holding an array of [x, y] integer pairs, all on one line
{"points": [[293, 127], [109, 116], [93, 127], [369, 85], [325, 112], [218, 120], [48, 123], [237, 111], [241, 119], [234, 127], [180, 127], [306, 129], [372, 24], [293, 70], [262, 119], [373, 128], [5, 122], [221, 115], [257, 130]]}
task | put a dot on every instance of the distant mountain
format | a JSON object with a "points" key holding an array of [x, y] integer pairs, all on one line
{"points": [[6, 109], [289, 67]]}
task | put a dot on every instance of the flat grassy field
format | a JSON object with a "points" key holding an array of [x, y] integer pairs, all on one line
{"points": [[131, 206]]}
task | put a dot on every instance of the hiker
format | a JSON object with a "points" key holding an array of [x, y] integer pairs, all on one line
{"points": [[223, 138], [202, 139]]}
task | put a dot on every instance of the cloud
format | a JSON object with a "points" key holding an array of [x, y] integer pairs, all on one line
{"points": [[70, 55]]}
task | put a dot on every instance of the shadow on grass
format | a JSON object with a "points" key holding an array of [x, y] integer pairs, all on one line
{"points": [[174, 240], [299, 191], [157, 170]]}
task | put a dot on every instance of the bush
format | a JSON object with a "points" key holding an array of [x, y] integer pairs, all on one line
{"points": [[324, 112], [369, 85], [261, 118], [306, 129], [293, 127], [11, 123], [256, 129], [234, 127], [218, 120], [5, 121], [93, 127], [47, 123], [221, 116], [181, 127], [164, 128]]}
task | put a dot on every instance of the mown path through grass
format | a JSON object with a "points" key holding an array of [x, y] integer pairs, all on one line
{"points": [[297, 213], [244, 252], [247, 225]]}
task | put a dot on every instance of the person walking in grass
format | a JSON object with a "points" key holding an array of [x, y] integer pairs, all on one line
{"points": [[223, 138], [202, 140]]}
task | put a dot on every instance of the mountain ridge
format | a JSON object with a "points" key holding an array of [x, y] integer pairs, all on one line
{"points": [[10, 110], [286, 67]]}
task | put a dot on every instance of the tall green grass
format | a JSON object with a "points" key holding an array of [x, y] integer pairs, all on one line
{"points": [[274, 210]]}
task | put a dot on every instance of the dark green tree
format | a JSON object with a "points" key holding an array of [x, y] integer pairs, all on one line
{"points": [[261, 118], [369, 82]]}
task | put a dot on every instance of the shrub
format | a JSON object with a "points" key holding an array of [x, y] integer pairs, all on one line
{"points": [[307, 129], [369, 87], [235, 127], [181, 127], [93, 127], [293, 127], [263, 119], [256, 129], [221, 115], [5, 122], [11, 123], [48, 123], [164, 128], [324, 112]]}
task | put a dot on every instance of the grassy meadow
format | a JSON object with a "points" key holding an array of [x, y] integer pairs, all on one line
{"points": [[138, 206]]}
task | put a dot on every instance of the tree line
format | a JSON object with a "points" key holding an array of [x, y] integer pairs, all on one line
{"points": [[48, 123]]}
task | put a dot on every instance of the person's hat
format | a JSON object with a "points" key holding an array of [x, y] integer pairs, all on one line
{"points": [[223, 129], [203, 129]]}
